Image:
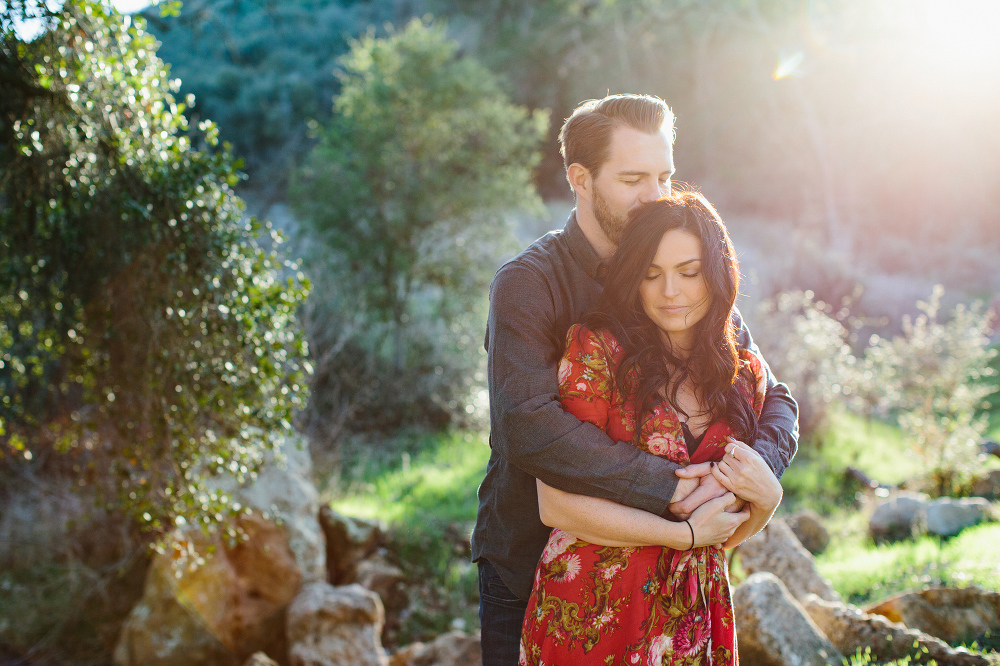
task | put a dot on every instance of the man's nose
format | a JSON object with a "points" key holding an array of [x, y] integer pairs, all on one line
{"points": [[652, 192]]}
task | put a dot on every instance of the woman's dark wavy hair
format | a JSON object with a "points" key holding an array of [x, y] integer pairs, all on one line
{"points": [[647, 364]]}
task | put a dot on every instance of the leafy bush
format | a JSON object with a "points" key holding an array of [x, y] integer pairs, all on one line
{"points": [[936, 376], [406, 200], [807, 345], [144, 334]]}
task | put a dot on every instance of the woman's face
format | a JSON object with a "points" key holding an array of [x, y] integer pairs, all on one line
{"points": [[674, 293]]}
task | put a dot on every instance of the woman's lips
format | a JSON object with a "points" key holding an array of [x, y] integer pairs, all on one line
{"points": [[673, 309]]}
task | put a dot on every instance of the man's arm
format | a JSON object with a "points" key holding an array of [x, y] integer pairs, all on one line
{"points": [[530, 428], [778, 425]]}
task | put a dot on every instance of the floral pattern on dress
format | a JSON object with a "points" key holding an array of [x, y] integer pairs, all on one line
{"points": [[648, 606]]}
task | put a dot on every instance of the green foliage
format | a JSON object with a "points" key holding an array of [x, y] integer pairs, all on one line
{"points": [[262, 70], [144, 333], [808, 345], [408, 193], [937, 375]]}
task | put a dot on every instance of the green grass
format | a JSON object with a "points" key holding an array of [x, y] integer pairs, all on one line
{"points": [[816, 478], [437, 481], [862, 572]]}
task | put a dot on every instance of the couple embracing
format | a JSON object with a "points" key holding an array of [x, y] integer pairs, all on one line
{"points": [[636, 433]]}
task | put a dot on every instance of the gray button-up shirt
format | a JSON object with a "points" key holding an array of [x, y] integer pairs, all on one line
{"points": [[534, 299]]}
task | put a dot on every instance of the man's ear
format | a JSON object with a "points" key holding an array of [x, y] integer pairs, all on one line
{"points": [[580, 180]]}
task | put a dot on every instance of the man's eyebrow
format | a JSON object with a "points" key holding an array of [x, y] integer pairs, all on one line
{"points": [[641, 173]]}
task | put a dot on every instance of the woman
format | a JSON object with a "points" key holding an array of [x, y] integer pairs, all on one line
{"points": [[655, 364]]}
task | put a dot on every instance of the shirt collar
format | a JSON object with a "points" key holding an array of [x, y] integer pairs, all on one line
{"points": [[582, 250]]}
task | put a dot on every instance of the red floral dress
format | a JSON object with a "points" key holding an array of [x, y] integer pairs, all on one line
{"points": [[651, 605]]}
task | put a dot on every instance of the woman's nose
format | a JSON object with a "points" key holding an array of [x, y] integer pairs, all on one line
{"points": [[670, 287]]}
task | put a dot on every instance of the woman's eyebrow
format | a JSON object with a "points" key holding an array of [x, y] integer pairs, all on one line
{"points": [[680, 265]]}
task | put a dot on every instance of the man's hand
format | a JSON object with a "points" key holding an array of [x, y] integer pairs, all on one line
{"points": [[689, 496]]}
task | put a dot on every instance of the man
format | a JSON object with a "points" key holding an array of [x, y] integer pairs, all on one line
{"points": [[618, 154]]}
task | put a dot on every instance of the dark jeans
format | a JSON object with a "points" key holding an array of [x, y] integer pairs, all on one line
{"points": [[501, 615]]}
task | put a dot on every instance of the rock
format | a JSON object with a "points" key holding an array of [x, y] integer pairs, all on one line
{"points": [[991, 448], [987, 485], [452, 649], [899, 517], [348, 541], [809, 530], [209, 602], [948, 517], [952, 614], [284, 489], [850, 630], [385, 580], [776, 550], [335, 626], [774, 630], [260, 659]]}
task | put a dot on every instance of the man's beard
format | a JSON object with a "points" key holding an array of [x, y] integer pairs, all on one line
{"points": [[611, 224]]}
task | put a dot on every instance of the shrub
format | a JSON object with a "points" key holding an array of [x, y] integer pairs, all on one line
{"points": [[144, 334]]}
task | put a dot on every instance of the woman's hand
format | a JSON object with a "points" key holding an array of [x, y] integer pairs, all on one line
{"points": [[713, 524], [743, 472]]}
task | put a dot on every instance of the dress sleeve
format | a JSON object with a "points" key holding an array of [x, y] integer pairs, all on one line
{"points": [[585, 381]]}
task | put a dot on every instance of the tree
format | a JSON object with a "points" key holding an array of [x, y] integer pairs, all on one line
{"points": [[145, 336], [409, 191]]}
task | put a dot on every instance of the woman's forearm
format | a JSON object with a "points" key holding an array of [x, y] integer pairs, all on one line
{"points": [[606, 523]]}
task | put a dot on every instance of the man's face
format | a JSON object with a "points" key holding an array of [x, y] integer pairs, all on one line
{"points": [[638, 171]]}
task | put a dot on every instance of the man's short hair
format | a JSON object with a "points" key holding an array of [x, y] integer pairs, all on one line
{"points": [[585, 137]]}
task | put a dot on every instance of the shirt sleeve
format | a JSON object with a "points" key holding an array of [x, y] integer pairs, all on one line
{"points": [[530, 428], [778, 425]]}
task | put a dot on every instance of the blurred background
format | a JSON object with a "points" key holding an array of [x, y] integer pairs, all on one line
{"points": [[329, 187]]}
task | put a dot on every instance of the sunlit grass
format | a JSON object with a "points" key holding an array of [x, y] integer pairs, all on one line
{"points": [[862, 572], [440, 480]]}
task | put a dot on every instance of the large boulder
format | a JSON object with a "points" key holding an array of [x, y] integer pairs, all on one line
{"points": [[284, 491], [208, 601], [947, 516], [899, 517], [335, 626], [808, 529], [851, 630], [776, 550], [454, 648], [952, 614], [774, 630]]}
